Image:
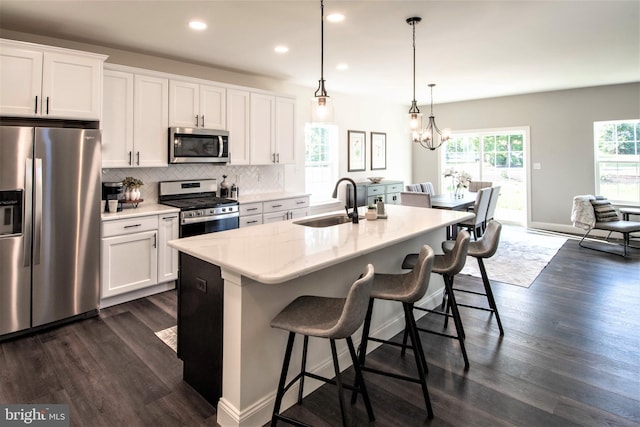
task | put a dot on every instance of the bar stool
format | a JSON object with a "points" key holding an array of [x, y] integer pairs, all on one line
{"points": [[406, 288], [485, 247], [324, 317], [448, 265]]}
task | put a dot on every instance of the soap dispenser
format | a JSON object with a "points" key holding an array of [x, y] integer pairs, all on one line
{"points": [[381, 211]]}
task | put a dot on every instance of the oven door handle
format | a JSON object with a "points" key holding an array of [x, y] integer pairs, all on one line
{"points": [[208, 218]]}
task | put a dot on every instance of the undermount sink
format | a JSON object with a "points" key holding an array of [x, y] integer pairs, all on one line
{"points": [[326, 221]]}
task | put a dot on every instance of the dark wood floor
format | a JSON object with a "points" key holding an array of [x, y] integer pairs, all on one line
{"points": [[570, 356]]}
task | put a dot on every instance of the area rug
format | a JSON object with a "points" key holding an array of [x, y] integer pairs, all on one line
{"points": [[169, 336], [520, 258]]}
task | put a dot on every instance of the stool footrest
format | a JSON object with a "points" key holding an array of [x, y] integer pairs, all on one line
{"points": [[291, 421], [442, 334], [390, 374], [469, 292], [477, 307]]}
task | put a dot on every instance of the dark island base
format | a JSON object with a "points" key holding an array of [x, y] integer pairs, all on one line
{"points": [[200, 311]]}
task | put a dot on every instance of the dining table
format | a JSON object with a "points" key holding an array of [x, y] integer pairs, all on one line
{"points": [[461, 202]]}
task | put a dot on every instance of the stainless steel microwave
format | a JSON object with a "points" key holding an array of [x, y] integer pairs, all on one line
{"points": [[197, 145]]}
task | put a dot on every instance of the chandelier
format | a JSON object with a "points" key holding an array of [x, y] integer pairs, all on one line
{"points": [[321, 108], [430, 137]]}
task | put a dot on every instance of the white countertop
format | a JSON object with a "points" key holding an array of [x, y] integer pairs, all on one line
{"points": [[265, 197], [281, 251], [143, 209]]}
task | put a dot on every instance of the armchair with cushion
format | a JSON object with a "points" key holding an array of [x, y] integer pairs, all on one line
{"points": [[597, 213]]}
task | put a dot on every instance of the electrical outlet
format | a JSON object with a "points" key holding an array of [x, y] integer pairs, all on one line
{"points": [[201, 285]]}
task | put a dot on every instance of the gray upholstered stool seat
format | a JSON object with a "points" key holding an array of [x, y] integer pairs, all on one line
{"points": [[448, 265], [324, 317], [485, 247], [406, 288]]}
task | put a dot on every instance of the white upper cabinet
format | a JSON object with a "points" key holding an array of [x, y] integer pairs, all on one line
{"points": [[40, 81], [135, 121], [263, 132], [285, 147], [197, 105], [117, 120], [272, 129], [151, 121], [238, 112]]}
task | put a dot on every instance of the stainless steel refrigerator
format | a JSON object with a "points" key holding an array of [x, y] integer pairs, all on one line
{"points": [[49, 226]]}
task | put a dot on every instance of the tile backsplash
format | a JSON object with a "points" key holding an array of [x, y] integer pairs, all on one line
{"points": [[249, 179]]}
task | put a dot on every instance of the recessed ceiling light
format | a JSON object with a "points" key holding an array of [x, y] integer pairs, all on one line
{"points": [[197, 25], [335, 17], [281, 49], [342, 67]]}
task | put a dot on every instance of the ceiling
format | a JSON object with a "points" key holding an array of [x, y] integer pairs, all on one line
{"points": [[470, 49]]}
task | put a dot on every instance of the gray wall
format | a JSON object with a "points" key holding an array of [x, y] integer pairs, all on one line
{"points": [[561, 140]]}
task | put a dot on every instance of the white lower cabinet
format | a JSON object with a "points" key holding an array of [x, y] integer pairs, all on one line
{"points": [[135, 256], [250, 214], [168, 229], [129, 255], [285, 209]]}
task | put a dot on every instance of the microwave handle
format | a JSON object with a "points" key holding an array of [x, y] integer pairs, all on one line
{"points": [[221, 145]]}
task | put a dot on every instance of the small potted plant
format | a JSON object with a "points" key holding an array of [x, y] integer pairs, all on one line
{"points": [[372, 213], [132, 188]]}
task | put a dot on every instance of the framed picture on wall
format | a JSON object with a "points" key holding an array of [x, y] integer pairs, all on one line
{"points": [[357, 148], [378, 151]]}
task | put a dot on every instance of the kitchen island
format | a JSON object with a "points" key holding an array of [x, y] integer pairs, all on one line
{"points": [[263, 268]]}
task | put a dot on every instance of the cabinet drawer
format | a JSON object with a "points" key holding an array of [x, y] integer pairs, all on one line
{"points": [[394, 188], [248, 221], [375, 189], [131, 225], [285, 204], [250, 209]]}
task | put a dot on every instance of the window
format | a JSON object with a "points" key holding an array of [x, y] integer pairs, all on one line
{"points": [[321, 160], [491, 155], [617, 160]]}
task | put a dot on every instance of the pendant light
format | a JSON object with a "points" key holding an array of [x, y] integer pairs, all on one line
{"points": [[321, 106], [414, 111], [431, 137]]}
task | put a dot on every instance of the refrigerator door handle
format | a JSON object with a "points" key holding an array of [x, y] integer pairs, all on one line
{"points": [[28, 185], [37, 232]]}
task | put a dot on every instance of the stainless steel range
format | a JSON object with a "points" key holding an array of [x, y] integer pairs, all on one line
{"points": [[201, 211]]}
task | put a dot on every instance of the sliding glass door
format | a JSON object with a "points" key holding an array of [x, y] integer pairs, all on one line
{"points": [[494, 155]]}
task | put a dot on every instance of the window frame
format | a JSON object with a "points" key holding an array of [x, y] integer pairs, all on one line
{"points": [[600, 159]]}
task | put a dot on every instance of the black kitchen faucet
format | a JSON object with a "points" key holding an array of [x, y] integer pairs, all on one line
{"points": [[354, 213]]}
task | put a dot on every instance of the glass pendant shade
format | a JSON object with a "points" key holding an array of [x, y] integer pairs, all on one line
{"points": [[321, 109]]}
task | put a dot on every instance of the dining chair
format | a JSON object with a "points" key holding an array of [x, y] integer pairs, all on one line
{"points": [[475, 186], [491, 208], [410, 198], [475, 225]]}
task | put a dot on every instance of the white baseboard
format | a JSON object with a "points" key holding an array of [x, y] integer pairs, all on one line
{"points": [[140, 293]]}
